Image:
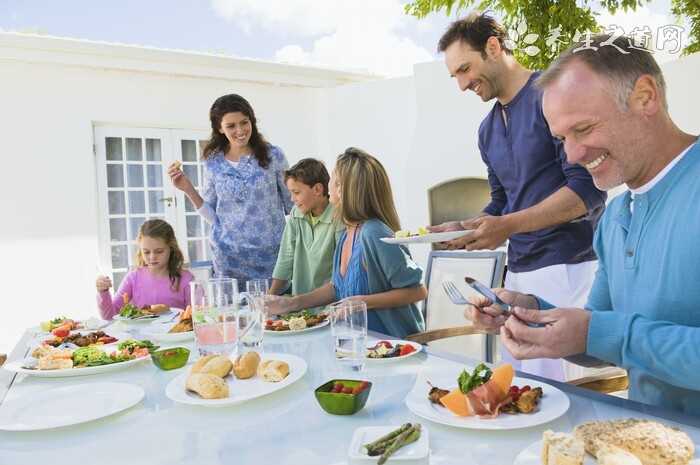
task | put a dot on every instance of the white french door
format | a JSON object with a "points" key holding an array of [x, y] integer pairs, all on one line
{"points": [[133, 186]]}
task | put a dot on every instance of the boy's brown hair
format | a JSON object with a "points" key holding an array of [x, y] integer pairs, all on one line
{"points": [[309, 171]]}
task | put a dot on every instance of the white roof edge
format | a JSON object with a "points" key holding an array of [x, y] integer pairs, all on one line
{"points": [[34, 48]]}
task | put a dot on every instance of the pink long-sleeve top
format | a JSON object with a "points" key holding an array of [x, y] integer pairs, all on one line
{"points": [[144, 289]]}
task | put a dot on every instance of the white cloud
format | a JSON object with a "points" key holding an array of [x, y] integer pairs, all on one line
{"points": [[360, 34]]}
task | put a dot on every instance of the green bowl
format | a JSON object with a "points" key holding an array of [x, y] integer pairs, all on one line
{"points": [[341, 404], [170, 359]]}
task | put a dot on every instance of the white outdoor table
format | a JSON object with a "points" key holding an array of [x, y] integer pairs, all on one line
{"points": [[286, 427]]}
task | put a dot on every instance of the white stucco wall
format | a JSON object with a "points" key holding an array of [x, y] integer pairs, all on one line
{"points": [[422, 128]]}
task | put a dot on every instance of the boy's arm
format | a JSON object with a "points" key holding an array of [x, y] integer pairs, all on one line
{"points": [[284, 267], [278, 286]]}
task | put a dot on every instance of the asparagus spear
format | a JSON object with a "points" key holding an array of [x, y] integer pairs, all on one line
{"points": [[410, 435], [378, 446]]}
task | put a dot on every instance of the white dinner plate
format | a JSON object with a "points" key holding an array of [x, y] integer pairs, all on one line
{"points": [[393, 342], [67, 405], [427, 238], [16, 366], [411, 452], [141, 319], [553, 404], [322, 324], [158, 330], [241, 390]]}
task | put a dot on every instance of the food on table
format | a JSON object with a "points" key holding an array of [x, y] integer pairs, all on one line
{"points": [[651, 442], [273, 371], [139, 348], [612, 455], [82, 340], [402, 233], [284, 323], [50, 358], [131, 311], [54, 359], [393, 441], [385, 349], [487, 393], [184, 323], [156, 309], [50, 325], [561, 449], [208, 386], [343, 396], [217, 365], [170, 359], [245, 366]]}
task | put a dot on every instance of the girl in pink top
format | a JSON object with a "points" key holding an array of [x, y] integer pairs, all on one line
{"points": [[159, 278]]}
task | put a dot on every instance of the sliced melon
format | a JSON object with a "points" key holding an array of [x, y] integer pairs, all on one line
{"points": [[503, 376], [456, 402]]}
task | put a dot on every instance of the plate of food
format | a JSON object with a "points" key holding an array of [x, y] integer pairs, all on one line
{"points": [[64, 325], [296, 322], [423, 236], [217, 380], [50, 362], [170, 331], [82, 338], [408, 442], [68, 405], [625, 441], [482, 398], [390, 350], [130, 313]]}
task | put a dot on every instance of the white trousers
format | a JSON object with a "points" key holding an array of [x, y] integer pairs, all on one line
{"points": [[562, 286]]}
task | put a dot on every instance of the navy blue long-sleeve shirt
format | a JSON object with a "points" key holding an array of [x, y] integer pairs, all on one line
{"points": [[526, 164]]}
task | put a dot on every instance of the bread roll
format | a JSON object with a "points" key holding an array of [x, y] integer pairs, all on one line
{"points": [[246, 365], [651, 442], [207, 386], [561, 449], [217, 365], [273, 370], [613, 455]]}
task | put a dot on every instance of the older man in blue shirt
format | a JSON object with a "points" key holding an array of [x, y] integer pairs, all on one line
{"points": [[607, 101], [546, 207]]}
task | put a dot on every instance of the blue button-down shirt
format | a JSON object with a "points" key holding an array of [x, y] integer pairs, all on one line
{"points": [[526, 164]]}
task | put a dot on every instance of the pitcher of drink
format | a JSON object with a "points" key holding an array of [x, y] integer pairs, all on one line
{"points": [[215, 305]]}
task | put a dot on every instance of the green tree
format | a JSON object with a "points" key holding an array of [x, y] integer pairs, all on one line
{"points": [[540, 29]]}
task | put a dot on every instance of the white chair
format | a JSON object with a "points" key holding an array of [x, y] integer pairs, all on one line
{"points": [[446, 327]]}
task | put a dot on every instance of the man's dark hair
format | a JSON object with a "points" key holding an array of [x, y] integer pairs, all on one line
{"points": [[475, 30], [309, 171]]}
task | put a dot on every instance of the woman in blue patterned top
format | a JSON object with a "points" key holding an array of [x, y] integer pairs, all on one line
{"points": [[364, 268], [244, 197]]}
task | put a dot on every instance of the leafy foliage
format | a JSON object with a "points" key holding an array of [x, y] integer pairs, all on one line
{"points": [[691, 10]]}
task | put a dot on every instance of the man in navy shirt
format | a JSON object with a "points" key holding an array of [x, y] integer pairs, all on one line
{"points": [[545, 207]]}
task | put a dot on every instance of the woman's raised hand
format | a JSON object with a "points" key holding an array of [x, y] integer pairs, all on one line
{"points": [[178, 178], [103, 283]]}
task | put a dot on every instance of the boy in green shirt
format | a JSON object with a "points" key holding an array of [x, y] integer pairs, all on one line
{"points": [[308, 243]]}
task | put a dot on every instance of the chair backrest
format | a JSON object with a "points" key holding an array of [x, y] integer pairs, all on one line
{"points": [[487, 267], [457, 199]]}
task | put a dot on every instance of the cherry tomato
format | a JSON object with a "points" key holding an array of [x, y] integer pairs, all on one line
{"points": [[337, 387], [347, 390], [61, 332], [357, 389], [364, 385], [525, 388], [406, 349]]}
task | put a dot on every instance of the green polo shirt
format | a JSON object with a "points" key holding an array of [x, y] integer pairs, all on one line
{"points": [[306, 252]]}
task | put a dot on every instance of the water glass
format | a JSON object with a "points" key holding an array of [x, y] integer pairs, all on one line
{"points": [[349, 330], [214, 315], [252, 318]]}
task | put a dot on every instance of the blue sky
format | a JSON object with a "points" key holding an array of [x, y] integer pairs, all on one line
{"points": [[370, 35]]}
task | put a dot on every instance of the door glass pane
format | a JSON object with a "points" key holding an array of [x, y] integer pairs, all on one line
{"points": [[207, 228], [117, 279], [154, 203], [202, 144], [115, 176], [114, 148], [195, 250], [117, 229], [191, 173], [117, 205], [134, 152], [189, 150], [194, 227], [153, 150], [134, 225], [137, 202], [134, 175], [189, 206], [155, 176], [120, 256]]}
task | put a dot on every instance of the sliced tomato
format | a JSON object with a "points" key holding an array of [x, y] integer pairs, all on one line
{"points": [[406, 349], [61, 332]]}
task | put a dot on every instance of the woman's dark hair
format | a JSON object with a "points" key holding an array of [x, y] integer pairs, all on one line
{"points": [[159, 229], [310, 172], [233, 103]]}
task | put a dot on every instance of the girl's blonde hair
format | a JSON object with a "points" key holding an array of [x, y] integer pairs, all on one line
{"points": [[365, 190], [159, 229]]}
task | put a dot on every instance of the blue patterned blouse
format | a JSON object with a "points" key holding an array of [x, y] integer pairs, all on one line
{"points": [[249, 203]]}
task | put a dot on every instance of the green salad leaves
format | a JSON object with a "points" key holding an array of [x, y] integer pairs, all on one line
{"points": [[468, 382]]}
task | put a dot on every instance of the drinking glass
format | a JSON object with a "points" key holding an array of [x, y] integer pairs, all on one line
{"points": [[349, 330], [214, 315], [253, 316]]}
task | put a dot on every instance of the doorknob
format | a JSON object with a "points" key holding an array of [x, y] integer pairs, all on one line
{"points": [[168, 200]]}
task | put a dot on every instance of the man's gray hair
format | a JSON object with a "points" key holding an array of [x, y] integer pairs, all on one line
{"points": [[619, 61]]}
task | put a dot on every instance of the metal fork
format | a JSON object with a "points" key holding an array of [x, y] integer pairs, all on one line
{"points": [[453, 293]]}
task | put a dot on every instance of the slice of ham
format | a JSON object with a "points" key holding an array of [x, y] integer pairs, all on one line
{"points": [[487, 400]]}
